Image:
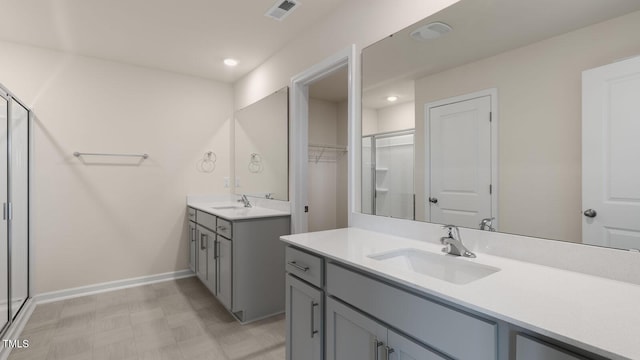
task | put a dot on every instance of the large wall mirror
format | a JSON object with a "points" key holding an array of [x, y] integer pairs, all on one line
{"points": [[262, 147], [516, 116]]}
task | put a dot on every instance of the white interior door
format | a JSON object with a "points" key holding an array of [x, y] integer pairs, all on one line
{"points": [[611, 155], [459, 157]]}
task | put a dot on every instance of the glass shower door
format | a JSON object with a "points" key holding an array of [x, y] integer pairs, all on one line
{"points": [[4, 265], [19, 198]]}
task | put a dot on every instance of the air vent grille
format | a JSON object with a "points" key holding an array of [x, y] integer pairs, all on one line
{"points": [[281, 9]]}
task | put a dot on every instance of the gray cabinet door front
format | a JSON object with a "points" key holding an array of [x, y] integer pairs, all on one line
{"points": [[304, 305], [352, 335], [212, 265], [531, 349], [401, 348], [224, 271], [201, 263], [193, 246]]}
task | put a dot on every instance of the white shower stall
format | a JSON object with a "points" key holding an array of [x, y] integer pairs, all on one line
{"points": [[387, 174]]}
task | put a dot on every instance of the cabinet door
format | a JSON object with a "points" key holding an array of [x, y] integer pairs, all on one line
{"points": [[223, 287], [352, 335], [212, 264], [401, 348], [305, 332], [530, 349], [201, 262], [193, 246]]}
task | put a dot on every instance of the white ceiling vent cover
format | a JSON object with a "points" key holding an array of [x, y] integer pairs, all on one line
{"points": [[431, 31], [281, 9]]}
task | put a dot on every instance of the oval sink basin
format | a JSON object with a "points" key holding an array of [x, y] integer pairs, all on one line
{"points": [[444, 267], [226, 207]]}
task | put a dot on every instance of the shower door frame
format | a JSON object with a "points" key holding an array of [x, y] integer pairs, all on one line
{"points": [[13, 315]]}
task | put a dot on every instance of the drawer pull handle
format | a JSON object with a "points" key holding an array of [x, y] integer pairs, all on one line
{"points": [[301, 268], [313, 319], [193, 234], [202, 242], [376, 345], [388, 352]]}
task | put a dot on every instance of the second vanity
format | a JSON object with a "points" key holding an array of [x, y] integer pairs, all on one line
{"points": [[357, 294], [236, 254]]}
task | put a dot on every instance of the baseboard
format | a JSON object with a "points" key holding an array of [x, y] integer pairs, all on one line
{"points": [[110, 286], [13, 333]]}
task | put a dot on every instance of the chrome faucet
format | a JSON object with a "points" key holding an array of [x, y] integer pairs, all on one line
{"points": [[487, 224], [453, 244], [244, 200]]}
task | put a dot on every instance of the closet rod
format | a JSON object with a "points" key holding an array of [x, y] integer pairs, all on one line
{"points": [[78, 154], [325, 146]]}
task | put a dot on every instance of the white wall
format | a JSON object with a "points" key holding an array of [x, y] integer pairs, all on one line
{"points": [[397, 117], [326, 207], [359, 22], [94, 223], [389, 118], [539, 99]]}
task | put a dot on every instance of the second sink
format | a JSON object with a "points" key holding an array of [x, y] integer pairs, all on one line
{"points": [[452, 269]]}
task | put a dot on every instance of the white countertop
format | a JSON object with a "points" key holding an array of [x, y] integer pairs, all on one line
{"points": [[236, 211], [596, 314]]}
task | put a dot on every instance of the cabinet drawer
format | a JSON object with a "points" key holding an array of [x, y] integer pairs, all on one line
{"points": [[434, 324], [224, 228], [191, 214], [207, 220], [530, 349], [304, 265]]}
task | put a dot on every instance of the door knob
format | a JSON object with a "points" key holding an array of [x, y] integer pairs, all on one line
{"points": [[433, 200], [590, 213]]}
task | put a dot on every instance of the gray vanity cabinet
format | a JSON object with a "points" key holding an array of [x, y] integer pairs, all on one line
{"points": [[242, 262], [304, 325], [528, 348], [355, 336]]}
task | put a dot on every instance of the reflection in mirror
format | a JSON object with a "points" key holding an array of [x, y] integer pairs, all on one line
{"points": [[525, 119], [261, 148]]}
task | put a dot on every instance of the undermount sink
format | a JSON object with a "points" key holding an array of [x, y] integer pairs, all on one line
{"points": [[444, 267], [226, 207]]}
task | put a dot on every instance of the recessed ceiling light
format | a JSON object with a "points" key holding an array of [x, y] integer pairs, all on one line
{"points": [[230, 62], [392, 98]]}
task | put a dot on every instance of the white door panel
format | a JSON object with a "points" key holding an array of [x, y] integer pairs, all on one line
{"points": [[460, 162], [611, 154]]}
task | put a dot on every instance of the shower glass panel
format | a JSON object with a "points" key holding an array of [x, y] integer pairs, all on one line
{"points": [[19, 198], [368, 169], [387, 174], [4, 265]]}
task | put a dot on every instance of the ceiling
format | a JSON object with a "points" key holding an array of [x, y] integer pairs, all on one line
{"points": [[481, 28], [187, 36]]}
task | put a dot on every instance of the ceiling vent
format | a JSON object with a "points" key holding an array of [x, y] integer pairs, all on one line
{"points": [[281, 9], [431, 31]]}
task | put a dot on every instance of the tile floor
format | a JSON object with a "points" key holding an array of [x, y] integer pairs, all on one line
{"points": [[173, 320]]}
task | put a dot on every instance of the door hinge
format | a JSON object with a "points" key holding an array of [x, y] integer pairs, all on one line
{"points": [[306, 208], [490, 189], [490, 116]]}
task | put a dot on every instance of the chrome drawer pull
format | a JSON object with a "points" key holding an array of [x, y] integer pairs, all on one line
{"points": [[376, 345], [313, 319], [301, 268], [388, 351], [202, 237]]}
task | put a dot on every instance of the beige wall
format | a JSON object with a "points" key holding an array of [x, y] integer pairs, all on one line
{"points": [[98, 223], [359, 22], [390, 118], [539, 95], [327, 179]]}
